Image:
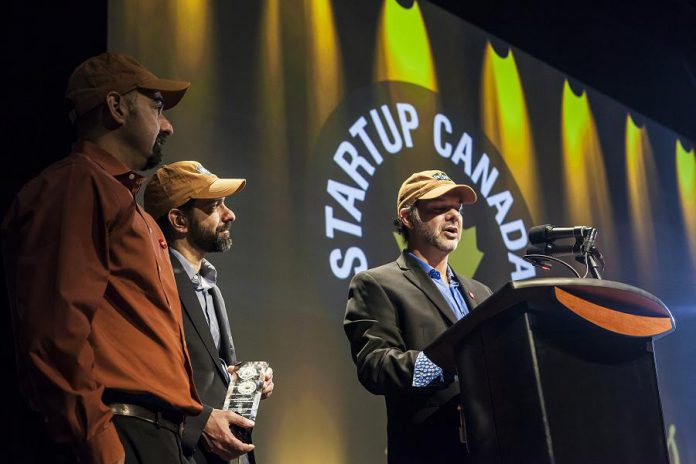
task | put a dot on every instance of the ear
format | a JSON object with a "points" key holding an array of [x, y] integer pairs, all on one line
{"points": [[178, 220], [404, 218], [116, 107]]}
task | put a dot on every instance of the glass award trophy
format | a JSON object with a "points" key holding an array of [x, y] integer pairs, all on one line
{"points": [[244, 393]]}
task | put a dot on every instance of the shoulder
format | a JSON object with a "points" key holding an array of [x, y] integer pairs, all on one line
{"points": [[378, 273], [72, 186], [73, 175]]}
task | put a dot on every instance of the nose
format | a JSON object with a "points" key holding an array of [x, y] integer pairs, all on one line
{"points": [[453, 213], [165, 126], [228, 215], [453, 210]]}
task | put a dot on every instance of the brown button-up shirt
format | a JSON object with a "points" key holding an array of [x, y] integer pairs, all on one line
{"points": [[94, 299]]}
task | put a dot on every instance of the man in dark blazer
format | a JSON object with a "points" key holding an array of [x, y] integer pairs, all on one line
{"points": [[188, 202], [394, 311]]}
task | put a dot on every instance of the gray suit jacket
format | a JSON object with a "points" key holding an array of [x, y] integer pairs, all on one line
{"points": [[208, 373], [394, 311]]}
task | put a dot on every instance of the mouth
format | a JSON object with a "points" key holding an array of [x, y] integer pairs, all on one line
{"points": [[451, 232]]}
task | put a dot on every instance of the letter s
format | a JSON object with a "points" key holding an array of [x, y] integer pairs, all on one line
{"points": [[352, 254]]}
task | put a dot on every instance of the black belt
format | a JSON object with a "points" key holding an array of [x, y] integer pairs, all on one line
{"points": [[167, 420]]}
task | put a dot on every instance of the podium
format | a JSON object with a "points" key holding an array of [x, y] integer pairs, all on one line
{"points": [[559, 371]]}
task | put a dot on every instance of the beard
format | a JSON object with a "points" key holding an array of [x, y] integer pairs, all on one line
{"points": [[157, 155], [433, 237], [211, 241]]}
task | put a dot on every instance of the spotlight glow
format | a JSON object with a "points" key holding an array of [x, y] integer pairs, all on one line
{"points": [[686, 182], [403, 47], [506, 123], [641, 187], [324, 82], [587, 196]]}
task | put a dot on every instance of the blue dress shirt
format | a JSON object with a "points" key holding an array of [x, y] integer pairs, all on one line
{"points": [[425, 372]]}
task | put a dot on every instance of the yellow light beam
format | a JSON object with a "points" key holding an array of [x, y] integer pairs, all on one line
{"points": [[641, 184], [586, 188], [271, 117], [193, 34], [325, 80], [273, 91], [272, 95], [686, 182], [403, 47], [506, 123]]}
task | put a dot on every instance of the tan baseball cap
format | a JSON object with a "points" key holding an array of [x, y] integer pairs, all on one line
{"points": [[96, 77], [174, 184], [426, 185]]}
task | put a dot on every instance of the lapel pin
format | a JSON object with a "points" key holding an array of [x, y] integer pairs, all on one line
{"points": [[471, 295]]}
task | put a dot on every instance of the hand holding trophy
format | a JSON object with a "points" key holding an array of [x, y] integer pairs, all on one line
{"points": [[246, 390]]}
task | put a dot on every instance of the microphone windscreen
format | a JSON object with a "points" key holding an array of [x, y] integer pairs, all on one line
{"points": [[539, 234]]}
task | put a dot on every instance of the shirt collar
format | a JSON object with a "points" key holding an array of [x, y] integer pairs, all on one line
{"points": [[428, 268], [204, 279], [126, 176]]}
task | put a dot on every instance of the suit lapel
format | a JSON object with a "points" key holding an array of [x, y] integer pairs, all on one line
{"points": [[192, 308], [466, 290], [414, 273], [227, 345]]}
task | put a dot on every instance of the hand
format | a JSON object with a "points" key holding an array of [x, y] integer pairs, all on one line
{"points": [[219, 438], [267, 384]]}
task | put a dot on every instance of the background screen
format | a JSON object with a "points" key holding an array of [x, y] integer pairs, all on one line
{"points": [[325, 107]]}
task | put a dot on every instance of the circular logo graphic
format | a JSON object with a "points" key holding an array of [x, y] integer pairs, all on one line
{"points": [[247, 387], [246, 372], [377, 138]]}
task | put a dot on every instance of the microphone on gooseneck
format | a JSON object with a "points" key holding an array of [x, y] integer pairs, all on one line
{"points": [[548, 233]]}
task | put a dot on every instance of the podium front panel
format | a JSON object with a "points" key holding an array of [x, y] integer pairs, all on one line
{"points": [[544, 388]]}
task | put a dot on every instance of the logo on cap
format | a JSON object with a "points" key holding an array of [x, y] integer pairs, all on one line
{"points": [[441, 176], [202, 170]]}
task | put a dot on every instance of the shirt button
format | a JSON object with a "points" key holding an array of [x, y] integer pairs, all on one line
{"points": [[131, 176]]}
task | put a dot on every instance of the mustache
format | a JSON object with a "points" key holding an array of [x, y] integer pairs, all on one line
{"points": [[224, 227], [160, 140]]}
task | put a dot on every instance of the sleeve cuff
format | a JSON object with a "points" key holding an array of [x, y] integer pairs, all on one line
{"points": [[425, 372], [103, 448], [193, 428]]}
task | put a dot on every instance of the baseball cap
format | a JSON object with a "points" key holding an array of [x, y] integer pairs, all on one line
{"points": [[174, 184], [91, 81], [426, 185]]}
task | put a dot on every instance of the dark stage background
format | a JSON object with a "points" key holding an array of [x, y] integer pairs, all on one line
{"points": [[284, 90]]}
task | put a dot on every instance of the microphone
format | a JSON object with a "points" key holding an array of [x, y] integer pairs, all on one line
{"points": [[549, 249], [548, 233]]}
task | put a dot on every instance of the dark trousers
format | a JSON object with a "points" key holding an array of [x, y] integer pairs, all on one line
{"points": [[147, 443]]}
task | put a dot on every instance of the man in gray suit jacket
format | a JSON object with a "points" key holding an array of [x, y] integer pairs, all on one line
{"points": [[394, 311], [188, 202]]}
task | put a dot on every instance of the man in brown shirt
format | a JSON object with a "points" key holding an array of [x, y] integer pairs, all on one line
{"points": [[96, 315]]}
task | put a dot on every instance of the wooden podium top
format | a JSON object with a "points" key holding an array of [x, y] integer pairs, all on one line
{"points": [[612, 306]]}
